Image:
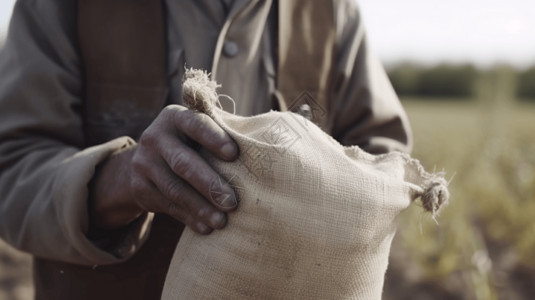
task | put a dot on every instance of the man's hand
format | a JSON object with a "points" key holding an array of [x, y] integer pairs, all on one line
{"points": [[164, 174]]}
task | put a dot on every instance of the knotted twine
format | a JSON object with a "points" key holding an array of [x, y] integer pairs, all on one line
{"points": [[315, 221]]}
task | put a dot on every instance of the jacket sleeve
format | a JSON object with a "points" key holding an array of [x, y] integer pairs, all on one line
{"points": [[367, 111], [44, 170]]}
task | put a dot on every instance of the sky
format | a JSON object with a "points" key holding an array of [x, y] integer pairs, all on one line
{"points": [[482, 32], [6, 6]]}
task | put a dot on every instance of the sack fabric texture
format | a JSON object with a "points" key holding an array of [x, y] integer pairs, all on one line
{"points": [[315, 220]]}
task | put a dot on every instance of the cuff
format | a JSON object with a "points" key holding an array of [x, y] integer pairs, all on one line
{"points": [[71, 206]]}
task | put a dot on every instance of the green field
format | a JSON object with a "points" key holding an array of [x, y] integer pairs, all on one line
{"points": [[483, 246]]}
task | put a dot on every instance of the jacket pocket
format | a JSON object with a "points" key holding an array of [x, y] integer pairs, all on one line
{"points": [[113, 110]]}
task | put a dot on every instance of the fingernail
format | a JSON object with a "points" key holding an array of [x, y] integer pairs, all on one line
{"points": [[217, 219], [226, 198], [229, 150]]}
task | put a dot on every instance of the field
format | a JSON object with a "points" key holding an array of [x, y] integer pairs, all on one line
{"points": [[484, 243]]}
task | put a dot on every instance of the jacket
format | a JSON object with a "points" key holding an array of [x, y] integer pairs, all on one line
{"points": [[48, 157]]}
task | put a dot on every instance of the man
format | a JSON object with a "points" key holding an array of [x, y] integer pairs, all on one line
{"points": [[81, 179]]}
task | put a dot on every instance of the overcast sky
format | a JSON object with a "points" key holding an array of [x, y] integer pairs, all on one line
{"points": [[6, 6], [483, 32], [480, 31]]}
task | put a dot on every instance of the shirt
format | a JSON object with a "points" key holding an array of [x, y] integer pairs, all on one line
{"points": [[232, 47]]}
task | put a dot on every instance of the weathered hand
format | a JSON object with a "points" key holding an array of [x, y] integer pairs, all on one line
{"points": [[166, 175]]}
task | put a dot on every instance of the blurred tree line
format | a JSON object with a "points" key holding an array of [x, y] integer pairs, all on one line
{"points": [[525, 84], [453, 81]]}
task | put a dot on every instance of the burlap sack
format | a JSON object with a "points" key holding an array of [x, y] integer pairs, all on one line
{"points": [[315, 221]]}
